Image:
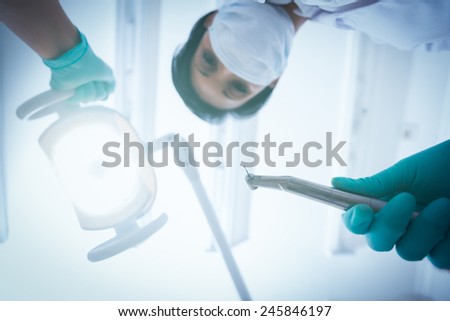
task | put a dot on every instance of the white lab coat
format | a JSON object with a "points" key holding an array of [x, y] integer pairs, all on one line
{"points": [[405, 24]]}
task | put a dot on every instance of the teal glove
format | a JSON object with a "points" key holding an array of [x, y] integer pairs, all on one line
{"points": [[423, 177], [80, 69]]}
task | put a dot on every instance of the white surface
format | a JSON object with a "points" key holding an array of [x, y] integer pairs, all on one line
{"points": [[44, 258]]}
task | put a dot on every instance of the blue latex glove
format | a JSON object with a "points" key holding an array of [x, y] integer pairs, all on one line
{"points": [[80, 69], [423, 177]]}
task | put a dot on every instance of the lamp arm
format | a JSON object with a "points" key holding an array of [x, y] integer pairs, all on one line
{"points": [[210, 215]]}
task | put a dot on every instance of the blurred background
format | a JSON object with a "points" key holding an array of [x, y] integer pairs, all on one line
{"points": [[387, 104]]}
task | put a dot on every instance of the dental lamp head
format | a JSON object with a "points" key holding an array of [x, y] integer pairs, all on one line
{"points": [[102, 197]]}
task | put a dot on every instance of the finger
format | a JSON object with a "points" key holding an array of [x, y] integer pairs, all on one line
{"points": [[104, 73], [84, 93], [386, 182], [390, 223], [111, 85], [440, 255], [425, 231], [91, 91], [358, 218], [101, 91]]}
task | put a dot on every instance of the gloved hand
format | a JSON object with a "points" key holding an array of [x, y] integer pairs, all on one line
{"points": [[423, 177], [80, 69]]}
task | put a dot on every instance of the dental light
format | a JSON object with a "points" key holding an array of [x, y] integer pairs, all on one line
{"points": [[103, 198], [116, 197]]}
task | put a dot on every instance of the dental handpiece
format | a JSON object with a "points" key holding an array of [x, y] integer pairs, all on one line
{"points": [[317, 192]]}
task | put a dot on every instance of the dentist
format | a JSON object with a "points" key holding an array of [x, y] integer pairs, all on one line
{"points": [[234, 56]]}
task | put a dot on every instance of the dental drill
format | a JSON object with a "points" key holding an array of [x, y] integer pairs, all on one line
{"points": [[317, 192]]}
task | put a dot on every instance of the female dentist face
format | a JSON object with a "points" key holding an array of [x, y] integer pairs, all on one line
{"points": [[233, 59], [215, 83]]}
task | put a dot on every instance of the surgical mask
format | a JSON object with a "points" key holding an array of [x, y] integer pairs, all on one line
{"points": [[252, 40]]}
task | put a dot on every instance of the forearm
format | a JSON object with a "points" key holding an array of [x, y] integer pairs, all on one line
{"points": [[42, 25]]}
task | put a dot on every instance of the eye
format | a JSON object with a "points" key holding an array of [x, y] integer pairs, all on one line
{"points": [[239, 87], [209, 59]]}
